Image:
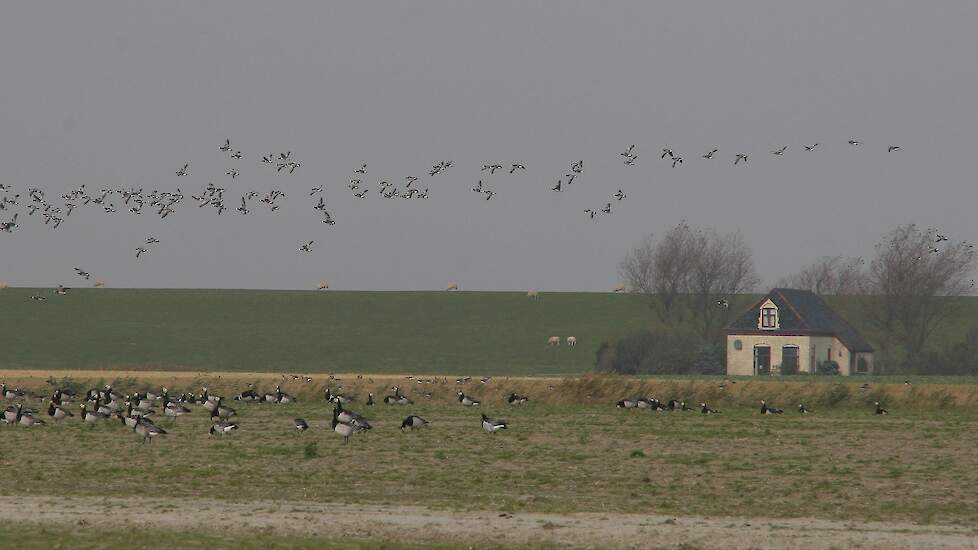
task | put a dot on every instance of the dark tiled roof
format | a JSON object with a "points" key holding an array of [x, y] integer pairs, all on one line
{"points": [[802, 312]]}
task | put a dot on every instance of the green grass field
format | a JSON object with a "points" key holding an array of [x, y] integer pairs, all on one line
{"points": [[231, 330], [839, 463], [474, 333], [571, 469]]}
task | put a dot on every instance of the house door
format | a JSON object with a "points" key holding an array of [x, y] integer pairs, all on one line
{"points": [[762, 360], [789, 360]]}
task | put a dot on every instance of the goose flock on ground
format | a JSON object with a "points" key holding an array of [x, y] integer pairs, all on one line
{"points": [[136, 411], [54, 212]]}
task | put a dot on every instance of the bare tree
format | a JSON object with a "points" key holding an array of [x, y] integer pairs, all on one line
{"points": [[636, 269], [690, 270], [661, 271], [912, 283], [829, 275], [723, 266]]}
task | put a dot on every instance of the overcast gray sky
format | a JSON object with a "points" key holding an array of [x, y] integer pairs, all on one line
{"points": [[122, 94]]}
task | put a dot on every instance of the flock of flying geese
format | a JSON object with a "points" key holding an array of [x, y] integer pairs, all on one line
{"points": [[135, 411], [162, 203]]}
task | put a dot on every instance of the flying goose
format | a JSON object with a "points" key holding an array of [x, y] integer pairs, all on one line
{"points": [[880, 409], [413, 422], [892, 148], [811, 147], [493, 425], [740, 157], [709, 154], [769, 410], [466, 400], [779, 152]]}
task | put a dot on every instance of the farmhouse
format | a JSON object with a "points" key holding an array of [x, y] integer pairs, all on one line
{"points": [[791, 331]]}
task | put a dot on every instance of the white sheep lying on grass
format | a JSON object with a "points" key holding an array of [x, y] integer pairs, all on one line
{"points": [[553, 341]]}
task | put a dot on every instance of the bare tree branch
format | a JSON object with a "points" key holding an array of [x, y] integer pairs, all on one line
{"points": [[912, 283]]}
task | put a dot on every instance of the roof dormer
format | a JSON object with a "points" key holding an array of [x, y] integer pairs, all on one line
{"points": [[767, 318]]}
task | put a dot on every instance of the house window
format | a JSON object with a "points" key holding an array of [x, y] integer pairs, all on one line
{"points": [[769, 317]]}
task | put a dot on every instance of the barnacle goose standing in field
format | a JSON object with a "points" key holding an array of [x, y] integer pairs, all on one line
{"points": [[60, 398], [643, 403], [248, 395], [27, 418], [880, 409], [627, 404], [413, 422], [467, 400], [370, 399], [769, 410], [342, 428], [337, 397], [301, 425], [10, 415], [397, 398], [683, 407], [147, 430], [88, 416], [493, 425], [803, 409], [132, 416], [220, 412], [140, 403], [58, 413], [350, 417], [174, 410], [282, 397], [515, 399], [222, 428], [11, 393], [706, 409]]}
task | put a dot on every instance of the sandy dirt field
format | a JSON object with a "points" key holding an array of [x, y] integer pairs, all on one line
{"points": [[419, 524]]}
